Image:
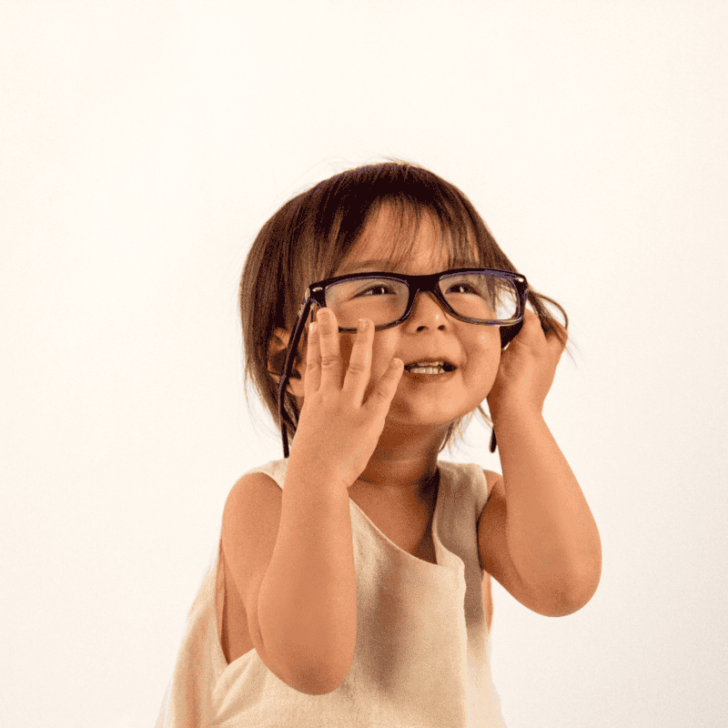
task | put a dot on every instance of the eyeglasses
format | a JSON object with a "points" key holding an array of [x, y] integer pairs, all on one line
{"points": [[482, 296]]}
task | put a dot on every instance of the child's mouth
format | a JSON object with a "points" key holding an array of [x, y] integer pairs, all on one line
{"points": [[416, 378], [430, 373], [440, 367], [426, 370]]}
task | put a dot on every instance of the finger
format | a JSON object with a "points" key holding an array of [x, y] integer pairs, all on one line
{"points": [[330, 348], [312, 380], [532, 326], [381, 398], [360, 363]]}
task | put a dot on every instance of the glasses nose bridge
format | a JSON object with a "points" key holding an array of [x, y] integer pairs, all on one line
{"points": [[424, 286]]}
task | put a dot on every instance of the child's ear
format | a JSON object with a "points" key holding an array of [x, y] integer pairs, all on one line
{"points": [[277, 352]]}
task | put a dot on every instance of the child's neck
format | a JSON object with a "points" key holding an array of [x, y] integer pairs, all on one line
{"points": [[405, 470]]}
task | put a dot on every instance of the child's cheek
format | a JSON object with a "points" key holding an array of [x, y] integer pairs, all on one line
{"points": [[490, 338]]}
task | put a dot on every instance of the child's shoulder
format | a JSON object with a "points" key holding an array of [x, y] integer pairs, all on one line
{"points": [[274, 470], [255, 497], [254, 484]]}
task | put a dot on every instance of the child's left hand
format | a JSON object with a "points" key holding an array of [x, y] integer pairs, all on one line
{"points": [[527, 367]]}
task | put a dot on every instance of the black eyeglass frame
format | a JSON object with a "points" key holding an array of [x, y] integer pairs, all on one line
{"points": [[316, 296]]}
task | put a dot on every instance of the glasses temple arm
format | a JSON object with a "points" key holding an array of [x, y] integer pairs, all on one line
{"points": [[290, 355]]}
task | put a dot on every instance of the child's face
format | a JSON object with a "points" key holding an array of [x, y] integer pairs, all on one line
{"points": [[429, 334]]}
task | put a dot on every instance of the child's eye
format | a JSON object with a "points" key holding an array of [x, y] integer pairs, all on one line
{"points": [[370, 291], [470, 289]]}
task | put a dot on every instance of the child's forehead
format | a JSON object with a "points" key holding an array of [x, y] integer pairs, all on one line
{"points": [[390, 241]]}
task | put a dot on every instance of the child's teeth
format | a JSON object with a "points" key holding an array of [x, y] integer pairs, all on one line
{"points": [[427, 370]]}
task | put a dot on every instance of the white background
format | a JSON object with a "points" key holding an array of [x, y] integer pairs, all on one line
{"points": [[143, 146]]}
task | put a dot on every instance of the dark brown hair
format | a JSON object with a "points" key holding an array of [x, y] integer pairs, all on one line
{"points": [[307, 239]]}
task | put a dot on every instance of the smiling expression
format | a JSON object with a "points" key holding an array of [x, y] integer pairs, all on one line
{"points": [[429, 334]]}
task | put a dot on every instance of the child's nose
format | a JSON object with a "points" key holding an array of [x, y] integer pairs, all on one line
{"points": [[427, 306]]}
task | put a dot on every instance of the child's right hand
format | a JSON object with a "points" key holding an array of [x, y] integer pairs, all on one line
{"points": [[337, 432]]}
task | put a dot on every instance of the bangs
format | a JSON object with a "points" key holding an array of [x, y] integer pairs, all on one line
{"points": [[412, 197], [455, 241]]}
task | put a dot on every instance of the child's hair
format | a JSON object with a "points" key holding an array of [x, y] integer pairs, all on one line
{"points": [[307, 239]]}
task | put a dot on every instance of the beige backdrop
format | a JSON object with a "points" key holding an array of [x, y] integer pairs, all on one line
{"points": [[144, 144]]}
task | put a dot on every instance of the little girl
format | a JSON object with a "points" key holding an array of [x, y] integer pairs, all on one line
{"points": [[352, 581]]}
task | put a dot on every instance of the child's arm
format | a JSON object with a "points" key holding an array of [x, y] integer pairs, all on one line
{"points": [[307, 600], [536, 535]]}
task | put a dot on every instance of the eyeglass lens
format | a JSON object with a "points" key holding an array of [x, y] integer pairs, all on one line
{"points": [[480, 296]]}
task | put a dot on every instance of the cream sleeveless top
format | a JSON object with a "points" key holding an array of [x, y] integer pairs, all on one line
{"points": [[422, 645]]}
